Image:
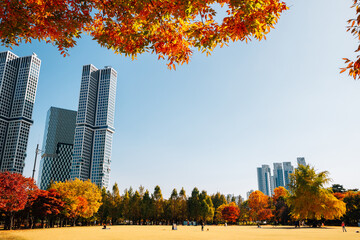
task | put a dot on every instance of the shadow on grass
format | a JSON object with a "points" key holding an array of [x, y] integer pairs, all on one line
{"points": [[293, 228]]}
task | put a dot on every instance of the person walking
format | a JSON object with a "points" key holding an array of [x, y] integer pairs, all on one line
{"points": [[343, 227], [202, 226]]}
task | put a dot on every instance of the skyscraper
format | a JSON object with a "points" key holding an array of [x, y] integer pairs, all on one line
{"points": [[57, 146], [278, 175], [18, 82], [288, 169], [94, 125], [265, 180], [301, 161]]}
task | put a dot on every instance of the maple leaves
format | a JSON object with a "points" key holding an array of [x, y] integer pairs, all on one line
{"points": [[353, 67], [230, 212], [169, 28], [15, 191]]}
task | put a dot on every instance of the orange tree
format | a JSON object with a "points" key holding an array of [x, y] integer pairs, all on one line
{"points": [[260, 207], [169, 28]]}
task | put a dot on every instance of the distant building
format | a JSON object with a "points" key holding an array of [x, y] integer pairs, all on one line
{"points": [[248, 193], [288, 169], [265, 180], [278, 175], [94, 125], [57, 146], [301, 161], [18, 82]]}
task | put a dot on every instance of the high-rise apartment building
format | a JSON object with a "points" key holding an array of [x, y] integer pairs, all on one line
{"points": [[265, 180], [57, 146], [288, 169], [18, 82], [94, 125], [278, 175], [301, 161]]}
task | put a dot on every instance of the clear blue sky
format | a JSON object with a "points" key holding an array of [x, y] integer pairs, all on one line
{"points": [[212, 122]]}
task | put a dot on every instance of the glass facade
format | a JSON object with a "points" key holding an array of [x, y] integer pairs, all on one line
{"points": [[288, 169], [94, 125], [301, 161], [265, 180], [57, 146], [278, 175], [18, 83]]}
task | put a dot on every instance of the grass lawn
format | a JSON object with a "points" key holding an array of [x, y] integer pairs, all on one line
{"points": [[183, 232]]}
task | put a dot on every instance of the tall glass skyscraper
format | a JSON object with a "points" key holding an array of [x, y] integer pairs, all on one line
{"points": [[278, 175], [94, 125], [288, 169], [265, 180], [18, 82], [57, 146]]}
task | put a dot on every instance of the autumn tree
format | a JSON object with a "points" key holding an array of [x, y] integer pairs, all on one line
{"points": [[115, 204], [82, 198], [170, 29], [193, 204], [104, 210], [218, 200], [245, 212], [183, 213], [47, 205], [15, 192], [282, 210], [352, 201], [207, 209], [158, 202], [135, 206], [174, 205], [230, 212], [147, 207], [309, 199], [260, 207]]}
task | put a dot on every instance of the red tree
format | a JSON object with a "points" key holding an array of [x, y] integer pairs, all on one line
{"points": [[230, 213], [47, 204], [15, 192]]}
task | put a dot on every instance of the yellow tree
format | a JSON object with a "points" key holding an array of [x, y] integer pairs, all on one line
{"points": [[82, 198], [169, 28], [309, 199]]}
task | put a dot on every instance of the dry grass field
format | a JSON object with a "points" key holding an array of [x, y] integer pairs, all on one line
{"points": [[183, 232]]}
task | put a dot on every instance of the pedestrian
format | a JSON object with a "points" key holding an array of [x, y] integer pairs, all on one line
{"points": [[202, 226], [343, 227]]}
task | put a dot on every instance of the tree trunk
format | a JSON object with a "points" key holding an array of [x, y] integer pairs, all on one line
{"points": [[11, 220]]}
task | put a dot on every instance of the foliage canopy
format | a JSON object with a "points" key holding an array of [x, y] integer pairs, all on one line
{"points": [[169, 28]]}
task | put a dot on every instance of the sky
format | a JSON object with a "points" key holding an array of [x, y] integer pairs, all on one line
{"points": [[211, 123]]}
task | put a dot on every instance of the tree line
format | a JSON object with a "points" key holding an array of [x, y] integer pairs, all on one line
{"points": [[70, 203]]}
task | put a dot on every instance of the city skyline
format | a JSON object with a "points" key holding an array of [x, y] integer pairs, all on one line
{"points": [[246, 105]]}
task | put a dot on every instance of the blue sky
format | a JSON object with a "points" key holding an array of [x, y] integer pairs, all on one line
{"points": [[210, 123]]}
